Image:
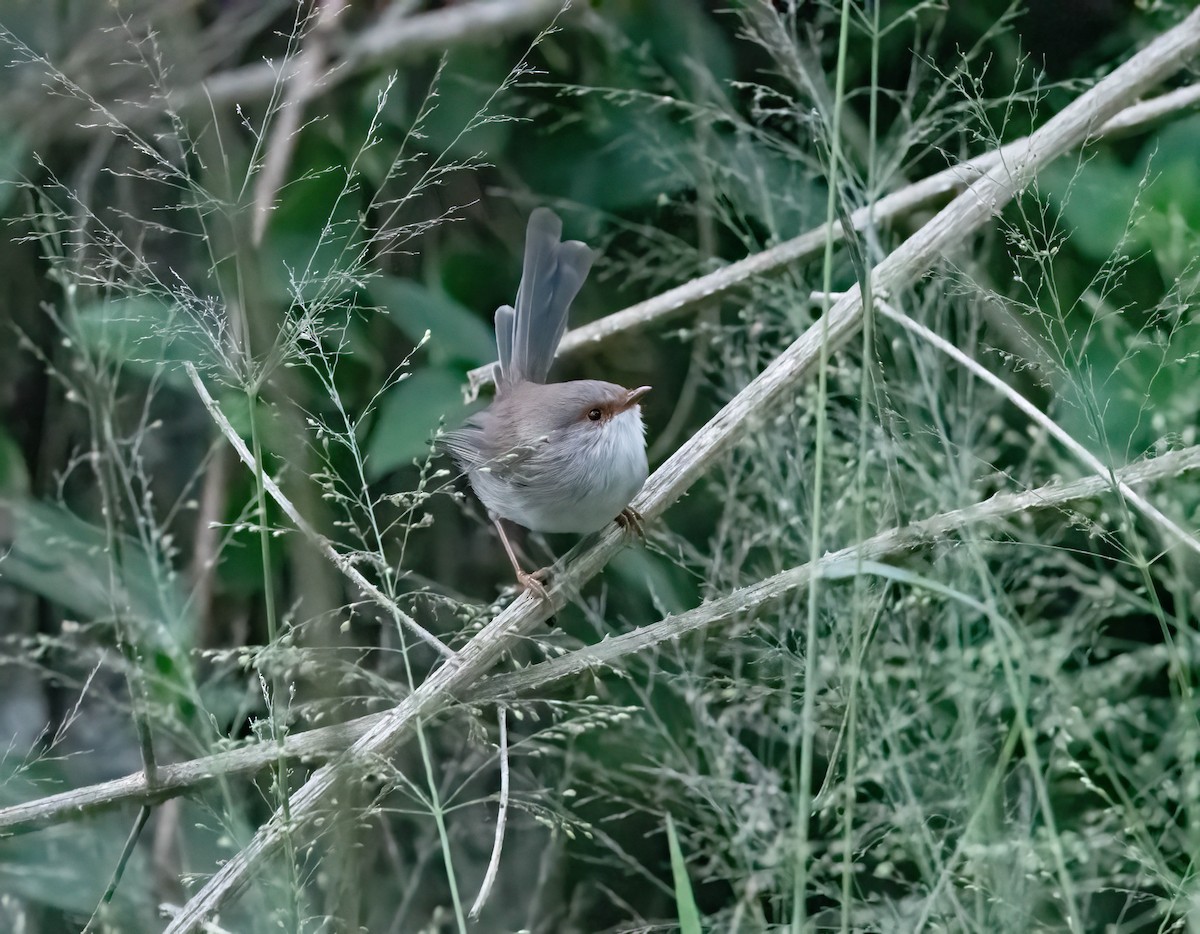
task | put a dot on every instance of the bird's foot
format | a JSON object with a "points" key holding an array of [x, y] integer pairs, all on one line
{"points": [[632, 522], [535, 583]]}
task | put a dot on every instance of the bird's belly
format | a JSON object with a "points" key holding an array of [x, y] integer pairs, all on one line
{"points": [[568, 510], [581, 498]]}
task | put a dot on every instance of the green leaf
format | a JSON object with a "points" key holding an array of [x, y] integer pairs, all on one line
{"points": [[1174, 197], [1097, 197], [409, 414], [1095, 200], [469, 79], [14, 151], [59, 556], [455, 332], [14, 477], [235, 404], [685, 901], [619, 159], [142, 333], [315, 236], [480, 279], [646, 575], [67, 866], [1172, 159], [680, 38]]}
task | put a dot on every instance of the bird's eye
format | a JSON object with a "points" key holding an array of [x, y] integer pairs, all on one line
{"points": [[594, 415]]}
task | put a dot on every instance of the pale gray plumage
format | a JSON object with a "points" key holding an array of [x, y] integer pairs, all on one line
{"points": [[553, 457], [534, 457]]}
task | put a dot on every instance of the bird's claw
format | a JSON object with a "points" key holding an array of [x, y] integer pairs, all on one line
{"points": [[631, 521], [535, 583]]}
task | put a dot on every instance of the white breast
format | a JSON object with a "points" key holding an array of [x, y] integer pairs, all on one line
{"points": [[578, 483]]}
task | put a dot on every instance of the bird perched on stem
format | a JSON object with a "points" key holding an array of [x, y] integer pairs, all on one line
{"points": [[552, 457]]}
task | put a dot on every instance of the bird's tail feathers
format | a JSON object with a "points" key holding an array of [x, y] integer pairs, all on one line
{"points": [[527, 336]]}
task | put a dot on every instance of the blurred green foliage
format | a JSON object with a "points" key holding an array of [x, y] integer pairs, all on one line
{"points": [[673, 142]]}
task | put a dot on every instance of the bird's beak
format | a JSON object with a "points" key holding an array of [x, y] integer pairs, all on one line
{"points": [[632, 397]]}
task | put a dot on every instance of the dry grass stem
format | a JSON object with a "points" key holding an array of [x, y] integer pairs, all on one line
{"points": [[489, 877], [178, 778], [1040, 418], [326, 547]]}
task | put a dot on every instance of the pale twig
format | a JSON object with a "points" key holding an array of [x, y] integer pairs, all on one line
{"points": [[1038, 417], [750, 599], [943, 234], [206, 542], [687, 297], [382, 43], [324, 742], [340, 561], [304, 83], [489, 878]]}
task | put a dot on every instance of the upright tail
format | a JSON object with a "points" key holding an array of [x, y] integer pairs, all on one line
{"points": [[527, 336]]}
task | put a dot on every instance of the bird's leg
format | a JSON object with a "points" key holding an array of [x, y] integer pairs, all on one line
{"points": [[528, 581], [631, 521]]}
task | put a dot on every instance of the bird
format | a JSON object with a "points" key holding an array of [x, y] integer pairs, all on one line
{"points": [[550, 456]]}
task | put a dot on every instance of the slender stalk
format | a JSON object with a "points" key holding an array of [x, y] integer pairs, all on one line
{"points": [[135, 833], [857, 616], [489, 877], [811, 667], [439, 817], [341, 562], [276, 710], [1128, 495]]}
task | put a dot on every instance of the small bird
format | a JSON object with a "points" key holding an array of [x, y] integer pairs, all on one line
{"points": [[552, 457]]}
